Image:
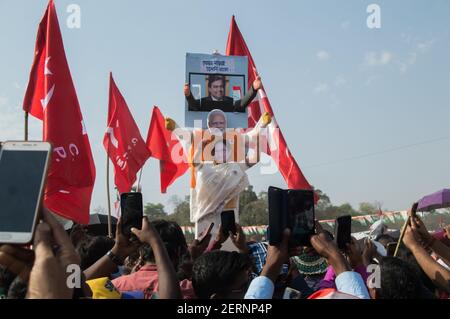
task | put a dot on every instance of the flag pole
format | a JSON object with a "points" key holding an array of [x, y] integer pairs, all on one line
{"points": [[402, 234], [139, 180], [26, 126], [405, 225], [108, 196]]}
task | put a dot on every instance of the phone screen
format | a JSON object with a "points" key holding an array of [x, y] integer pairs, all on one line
{"points": [[131, 212], [300, 207], [228, 222], [414, 209], [344, 231], [21, 175], [277, 220]]}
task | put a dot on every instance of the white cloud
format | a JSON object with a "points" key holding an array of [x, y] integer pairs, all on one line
{"points": [[412, 58], [16, 85], [371, 79], [320, 88], [340, 81], [345, 25], [403, 67], [424, 47], [386, 57], [11, 121], [323, 55], [407, 38], [418, 48], [378, 58], [335, 101], [3, 101]]}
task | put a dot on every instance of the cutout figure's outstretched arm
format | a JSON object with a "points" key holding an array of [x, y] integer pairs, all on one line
{"points": [[262, 123], [252, 135]]}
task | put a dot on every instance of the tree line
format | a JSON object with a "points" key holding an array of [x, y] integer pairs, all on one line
{"points": [[253, 209]]}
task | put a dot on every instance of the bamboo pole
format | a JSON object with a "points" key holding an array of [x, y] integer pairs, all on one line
{"points": [[139, 180], [405, 225], [109, 198], [26, 126]]}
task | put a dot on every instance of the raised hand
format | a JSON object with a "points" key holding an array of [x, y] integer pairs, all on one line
{"points": [[198, 246], [257, 84], [53, 254], [186, 89], [239, 240], [170, 124], [123, 247], [354, 255]]}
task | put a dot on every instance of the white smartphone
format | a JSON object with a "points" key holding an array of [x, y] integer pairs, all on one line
{"points": [[23, 171]]}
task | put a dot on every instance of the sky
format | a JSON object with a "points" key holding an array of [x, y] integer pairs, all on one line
{"points": [[365, 111]]}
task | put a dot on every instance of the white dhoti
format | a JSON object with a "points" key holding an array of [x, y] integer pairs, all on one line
{"points": [[216, 185]]}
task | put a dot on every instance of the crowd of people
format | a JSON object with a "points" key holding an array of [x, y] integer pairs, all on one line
{"points": [[156, 262]]}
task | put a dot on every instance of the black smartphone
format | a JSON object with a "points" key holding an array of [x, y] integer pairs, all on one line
{"points": [[277, 219], [228, 222], [301, 216], [131, 212], [414, 210], [294, 209], [23, 172], [343, 231]]}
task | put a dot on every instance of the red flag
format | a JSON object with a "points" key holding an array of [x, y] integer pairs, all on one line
{"points": [[161, 146], [287, 165], [51, 97], [122, 141]]}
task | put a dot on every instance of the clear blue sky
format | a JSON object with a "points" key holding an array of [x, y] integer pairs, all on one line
{"points": [[339, 90]]}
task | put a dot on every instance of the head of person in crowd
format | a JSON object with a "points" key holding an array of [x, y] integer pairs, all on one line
{"points": [[407, 256], [6, 278], [17, 289], [398, 280], [216, 87], [175, 243], [92, 249], [384, 239], [258, 254], [131, 263], [221, 274], [78, 233], [310, 263], [443, 235]]}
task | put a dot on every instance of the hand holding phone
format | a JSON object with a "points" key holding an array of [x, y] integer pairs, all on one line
{"points": [[23, 171], [205, 234], [131, 212]]}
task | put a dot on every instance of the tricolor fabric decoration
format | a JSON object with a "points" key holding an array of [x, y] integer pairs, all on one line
{"points": [[363, 220]]}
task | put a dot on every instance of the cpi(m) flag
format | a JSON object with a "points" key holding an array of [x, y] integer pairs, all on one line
{"points": [[51, 97], [287, 165], [122, 141], [169, 151]]}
